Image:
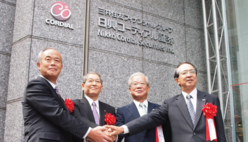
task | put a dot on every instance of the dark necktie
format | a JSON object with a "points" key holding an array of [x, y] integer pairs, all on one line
{"points": [[57, 91], [191, 108], [96, 117]]}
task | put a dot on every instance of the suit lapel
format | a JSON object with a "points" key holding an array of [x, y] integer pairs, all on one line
{"points": [[181, 104], [87, 109], [201, 100], [102, 113], [150, 107], [133, 110], [59, 98]]}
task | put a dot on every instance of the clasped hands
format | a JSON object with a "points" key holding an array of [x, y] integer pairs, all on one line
{"points": [[107, 133]]}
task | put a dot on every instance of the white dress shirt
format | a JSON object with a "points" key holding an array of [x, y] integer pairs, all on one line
{"points": [[140, 109], [52, 84], [126, 130]]}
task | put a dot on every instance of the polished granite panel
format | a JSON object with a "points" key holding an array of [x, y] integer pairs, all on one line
{"points": [[59, 33], [14, 123], [193, 13], [195, 48], [162, 83], [23, 19], [4, 78], [170, 9], [10, 1], [2, 123], [202, 82], [7, 25], [122, 40], [170, 40], [19, 69]]}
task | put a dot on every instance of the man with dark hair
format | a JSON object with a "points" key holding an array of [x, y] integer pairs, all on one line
{"points": [[46, 118], [90, 109], [184, 112]]}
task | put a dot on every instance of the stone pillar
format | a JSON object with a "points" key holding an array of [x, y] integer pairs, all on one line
{"points": [[31, 34], [6, 33]]}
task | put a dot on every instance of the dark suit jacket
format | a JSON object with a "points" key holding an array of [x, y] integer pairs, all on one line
{"points": [[130, 112], [46, 117], [182, 128], [83, 112]]}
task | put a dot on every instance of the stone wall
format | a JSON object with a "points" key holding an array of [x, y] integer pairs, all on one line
{"points": [[7, 9]]}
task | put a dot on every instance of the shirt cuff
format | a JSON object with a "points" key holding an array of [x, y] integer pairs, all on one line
{"points": [[126, 130], [87, 132]]}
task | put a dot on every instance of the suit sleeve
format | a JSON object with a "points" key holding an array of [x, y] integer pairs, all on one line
{"points": [[153, 119], [119, 122], [76, 113], [41, 98], [219, 123]]}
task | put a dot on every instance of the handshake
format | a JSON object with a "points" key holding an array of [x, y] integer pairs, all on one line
{"points": [[107, 133]]}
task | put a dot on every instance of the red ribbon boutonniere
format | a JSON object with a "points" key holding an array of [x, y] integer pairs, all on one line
{"points": [[210, 110], [110, 119], [69, 104]]}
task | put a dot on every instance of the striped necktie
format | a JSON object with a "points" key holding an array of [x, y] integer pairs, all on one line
{"points": [[191, 108]]}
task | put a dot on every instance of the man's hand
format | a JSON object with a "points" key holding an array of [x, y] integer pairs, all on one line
{"points": [[115, 130], [99, 134], [108, 131]]}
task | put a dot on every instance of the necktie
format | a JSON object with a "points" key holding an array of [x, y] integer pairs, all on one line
{"points": [[191, 108], [143, 110], [96, 117], [57, 91]]}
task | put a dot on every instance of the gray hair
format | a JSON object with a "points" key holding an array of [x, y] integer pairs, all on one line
{"points": [[137, 74], [85, 76], [40, 54]]}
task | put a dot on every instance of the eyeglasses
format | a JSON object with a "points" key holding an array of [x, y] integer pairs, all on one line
{"points": [[137, 83], [186, 72], [92, 81]]}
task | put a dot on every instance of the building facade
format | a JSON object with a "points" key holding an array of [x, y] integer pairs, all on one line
{"points": [[112, 38]]}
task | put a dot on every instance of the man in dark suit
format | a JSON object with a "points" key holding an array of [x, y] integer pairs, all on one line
{"points": [[138, 88], [45, 115], [84, 108], [184, 111]]}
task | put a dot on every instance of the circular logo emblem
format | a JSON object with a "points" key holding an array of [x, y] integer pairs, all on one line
{"points": [[60, 11]]}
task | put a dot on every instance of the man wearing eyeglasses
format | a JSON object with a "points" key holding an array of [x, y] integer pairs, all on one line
{"points": [[90, 109], [184, 112], [46, 118], [138, 87]]}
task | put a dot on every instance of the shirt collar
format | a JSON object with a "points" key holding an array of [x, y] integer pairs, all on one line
{"points": [[192, 93], [52, 84], [137, 103], [91, 101]]}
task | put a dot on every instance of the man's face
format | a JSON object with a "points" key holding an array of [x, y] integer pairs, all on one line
{"points": [[139, 88], [92, 86], [50, 65], [187, 77]]}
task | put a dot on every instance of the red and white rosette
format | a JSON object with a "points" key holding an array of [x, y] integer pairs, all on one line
{"points": [[159, 134], [110, 119], [210, 110], [69, 104]]}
